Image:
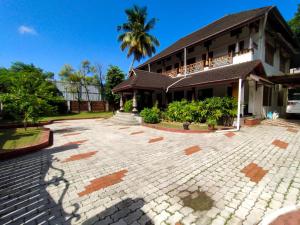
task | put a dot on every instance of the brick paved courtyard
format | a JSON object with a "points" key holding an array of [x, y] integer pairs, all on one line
{"points": [[99, 173]]}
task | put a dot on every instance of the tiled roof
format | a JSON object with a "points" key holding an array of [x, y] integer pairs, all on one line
{"points": [[225, 23], [154, 81]]}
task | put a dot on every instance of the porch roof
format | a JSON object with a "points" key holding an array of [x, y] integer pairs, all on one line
{"points": [[141, 79], [287, 79]]}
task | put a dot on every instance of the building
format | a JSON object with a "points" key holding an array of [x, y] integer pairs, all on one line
{"points": [[237, 55], [94, 95]]}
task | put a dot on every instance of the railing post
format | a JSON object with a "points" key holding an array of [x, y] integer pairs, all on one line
{"points": [[184, 61]]}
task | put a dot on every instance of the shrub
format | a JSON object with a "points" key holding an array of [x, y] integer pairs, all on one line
{"points": [[229, 110], [151, 115], [175, 111], [128, 106]]}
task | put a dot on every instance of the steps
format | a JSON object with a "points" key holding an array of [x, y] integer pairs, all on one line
{"points": [[123, 118]]}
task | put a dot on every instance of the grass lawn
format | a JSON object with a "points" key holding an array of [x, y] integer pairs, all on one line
{"points": [[82, 115], [15, 138], [177, 125]]}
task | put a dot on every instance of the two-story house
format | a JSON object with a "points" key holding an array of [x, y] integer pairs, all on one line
{"points": [[233, 56]]}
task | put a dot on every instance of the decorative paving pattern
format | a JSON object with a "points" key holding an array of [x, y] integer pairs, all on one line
{"points": [[103, 182], [152, 140], [280, 144], [229, 134], [123, 128], [137, 132], [292, 218], [72, 134], [254, 172], [40, 189], [191, 150], [293, 130], [75, 143], [80, 156]]}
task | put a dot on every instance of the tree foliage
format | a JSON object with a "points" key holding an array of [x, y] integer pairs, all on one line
{"points": [[135, 36], [295, 24], [28, 93], [114, 77]]}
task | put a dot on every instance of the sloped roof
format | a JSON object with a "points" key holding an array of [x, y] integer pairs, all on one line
{"points": [[155, 81], [141, 79], [225, 23]]}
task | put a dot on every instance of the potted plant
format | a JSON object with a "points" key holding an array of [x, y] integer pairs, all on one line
{"points": [[211, 123], [186, 125]]}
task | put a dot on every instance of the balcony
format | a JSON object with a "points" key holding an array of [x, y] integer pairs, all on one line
{"points": [[243, 56]]}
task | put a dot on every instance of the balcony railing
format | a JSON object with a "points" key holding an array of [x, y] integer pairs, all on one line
{"points": [[210, 63]]}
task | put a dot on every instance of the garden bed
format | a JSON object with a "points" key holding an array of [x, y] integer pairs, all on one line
{"points": [[17, 142], [178, 128]]}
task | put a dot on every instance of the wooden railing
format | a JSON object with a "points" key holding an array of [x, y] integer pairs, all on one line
{"points": [[210, 63], [221, 61]]}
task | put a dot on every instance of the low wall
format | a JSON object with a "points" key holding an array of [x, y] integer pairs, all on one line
{"points": [[96, 106]]}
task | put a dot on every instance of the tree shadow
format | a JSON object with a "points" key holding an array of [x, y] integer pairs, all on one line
{"points": [[24, 197], [125, 212], [69, 130]]}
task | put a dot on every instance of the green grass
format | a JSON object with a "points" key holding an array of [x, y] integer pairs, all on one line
{"points": [[177, 125], [82, 115], [16, 138]]}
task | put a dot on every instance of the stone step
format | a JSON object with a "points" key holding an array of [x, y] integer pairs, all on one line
{"points": [[125, 119]]}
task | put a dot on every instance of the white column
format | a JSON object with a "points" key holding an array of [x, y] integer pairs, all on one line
{"points": [[134, 102], [69, 105], [89, 106], [237, 46], [184, 61], [149, 68], [239, 105], [121, 103]]}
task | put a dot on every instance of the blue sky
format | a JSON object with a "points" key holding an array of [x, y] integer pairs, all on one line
{"points": [[53, 33]]}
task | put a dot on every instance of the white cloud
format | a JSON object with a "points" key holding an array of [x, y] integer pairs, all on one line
{"points": [[27, 30]]}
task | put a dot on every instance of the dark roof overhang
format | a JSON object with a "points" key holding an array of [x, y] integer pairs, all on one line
{"points": [[287, 79]]}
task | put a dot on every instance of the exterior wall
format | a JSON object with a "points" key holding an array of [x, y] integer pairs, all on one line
{"points": [[96, 106]]}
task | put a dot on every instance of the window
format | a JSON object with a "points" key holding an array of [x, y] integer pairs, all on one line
{"points": [[229, 91], [176, 66], [210, 55], [191, 61], [203, 57], [241, 45], [205, 93], [282, 63], [231, 49], [269, 55], [168, 68], [267, 98], [158, 63], [190, 95], [190, 50], [280, 98], [159, 71]]}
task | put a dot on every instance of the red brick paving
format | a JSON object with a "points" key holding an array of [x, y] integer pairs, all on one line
{"points": [[280, 144], [137, 132], [123, 128], [292, 130], [191, 150], [75, 142], [103, 182], [291, 218], [254, 172], [80, 156], [72, 134], [152, 140], [229, 134]]}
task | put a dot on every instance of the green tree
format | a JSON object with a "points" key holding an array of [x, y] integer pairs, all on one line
{"points": [[29, 93], [135, 36], [295, 24], [114, 77]]}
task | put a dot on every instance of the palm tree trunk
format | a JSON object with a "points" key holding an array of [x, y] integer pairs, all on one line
{"points": [[131, 67]]}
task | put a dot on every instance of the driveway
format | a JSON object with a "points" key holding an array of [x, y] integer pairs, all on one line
{"points": [[99, 173]]}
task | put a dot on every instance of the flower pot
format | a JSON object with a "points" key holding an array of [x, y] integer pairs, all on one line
{"points": [[211, 127], [186, 125]]}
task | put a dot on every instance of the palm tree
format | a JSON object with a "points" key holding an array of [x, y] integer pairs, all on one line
{"points": [[135, 34]]}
